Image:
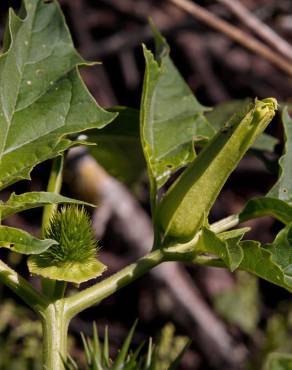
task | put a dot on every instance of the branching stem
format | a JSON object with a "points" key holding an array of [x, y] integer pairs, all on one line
{"points": [[103, 289]]}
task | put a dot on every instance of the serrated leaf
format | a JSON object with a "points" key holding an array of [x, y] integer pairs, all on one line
{"points": [[267, 206], [221, 113], [119, 148], [271, 262], [42, 97], [187, 203], [19, 203], [258, 260], [22, 242], [171, 118], [283, 187]]}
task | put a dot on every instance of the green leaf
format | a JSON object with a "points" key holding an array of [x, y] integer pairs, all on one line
{"points": [[188, 201], [258, 261], [225, 246], [74, 272], [271, 262], [283, 187], [121, 357], [281, 250], [119, 148], [171, 118], [221, 113], [22, 242], [266, 206], [42, 97], [22, 202]]}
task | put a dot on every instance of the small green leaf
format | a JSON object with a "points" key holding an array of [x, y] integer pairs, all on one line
{"points": [[118, 148], [74, 258], [22, 242], [267, 206], [283, 187], [22, 202], [188, 201], [225, 246], [171, 118], [42, 97]]}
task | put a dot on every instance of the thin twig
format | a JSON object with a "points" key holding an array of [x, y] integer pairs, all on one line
{"points": [[259, 27], [236, 34]]}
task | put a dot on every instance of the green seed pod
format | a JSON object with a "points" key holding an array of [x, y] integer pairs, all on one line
{"points": [[74, 258], [188, 201]]}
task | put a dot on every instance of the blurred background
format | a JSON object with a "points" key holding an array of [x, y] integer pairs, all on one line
{"points": [[233, 320]]}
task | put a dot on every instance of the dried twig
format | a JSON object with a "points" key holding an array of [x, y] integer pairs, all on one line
{"points": [[236, 34], [259, 27]]}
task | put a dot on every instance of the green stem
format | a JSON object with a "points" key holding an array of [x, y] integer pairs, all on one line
{"points": [[60, 288], [54, 186], [55, 324], [22, 288], [105, 288]]}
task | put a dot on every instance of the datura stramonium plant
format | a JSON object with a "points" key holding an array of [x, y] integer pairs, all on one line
{"points": [[74, 258]]}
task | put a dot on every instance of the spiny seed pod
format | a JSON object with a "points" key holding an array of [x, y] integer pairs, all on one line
{"points": [[74, 258], [188, 201]]}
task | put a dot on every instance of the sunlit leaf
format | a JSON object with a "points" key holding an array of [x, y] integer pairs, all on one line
{"points": [[171, 118], [42, 97]]}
